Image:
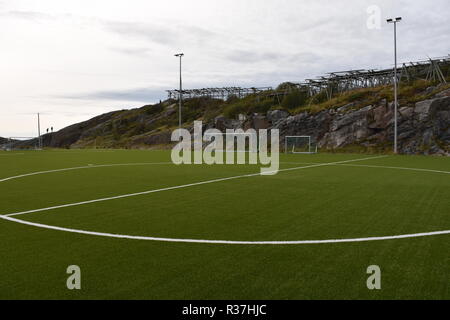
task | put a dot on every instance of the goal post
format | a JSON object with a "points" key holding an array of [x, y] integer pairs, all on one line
{"points": [[21, 143], [299, 145]]}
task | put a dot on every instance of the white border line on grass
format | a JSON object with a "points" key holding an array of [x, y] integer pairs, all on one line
{"points": [[374, 166], [399, 168], [174, 187], [83, 167], [130, 237]]}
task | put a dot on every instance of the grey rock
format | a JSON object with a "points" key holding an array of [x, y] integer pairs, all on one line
{"points": [[260, 122], [429, 108], [345, 108], [429, 90], [346, 119], [222, 123], [277, 115], [406, 112], [422, 109], [443, 94], [420, 127], [427, 136]]}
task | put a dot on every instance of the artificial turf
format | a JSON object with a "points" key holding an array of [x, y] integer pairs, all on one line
{"points": [[347, 200]]}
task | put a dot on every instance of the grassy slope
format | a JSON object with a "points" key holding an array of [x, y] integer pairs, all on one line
{"points": [[409, 93], [126, 127], [315, 203]]}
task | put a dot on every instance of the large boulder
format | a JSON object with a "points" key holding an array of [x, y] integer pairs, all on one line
{"points": [[428, 108], [222, 123], [422, 109], [381, 117], [260, 122], [349, 127], [276, 115]]}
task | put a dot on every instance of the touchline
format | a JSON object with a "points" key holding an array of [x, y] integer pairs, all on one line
{"points": [[212, 148]]}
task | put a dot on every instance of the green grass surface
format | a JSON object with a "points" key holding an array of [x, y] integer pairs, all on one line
{"points": [[326, 202]]}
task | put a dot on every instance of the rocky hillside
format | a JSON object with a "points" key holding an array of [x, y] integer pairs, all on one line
{"points": [[423, 128], [357, 121]]}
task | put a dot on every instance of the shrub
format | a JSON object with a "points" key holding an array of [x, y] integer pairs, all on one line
{"points": [[153, 109], [233, 110], [262, 106], [321, 97], [295, 99]]}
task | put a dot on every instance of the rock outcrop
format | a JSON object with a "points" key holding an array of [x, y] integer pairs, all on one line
{"points": [[422, 129]]}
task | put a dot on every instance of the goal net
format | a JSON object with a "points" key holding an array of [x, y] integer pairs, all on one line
{"points": [[21, 143], [300, 144]]}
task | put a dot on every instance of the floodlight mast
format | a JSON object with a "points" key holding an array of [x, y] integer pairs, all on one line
{"points": [[180, 97], [39, 131], [395, 21]]}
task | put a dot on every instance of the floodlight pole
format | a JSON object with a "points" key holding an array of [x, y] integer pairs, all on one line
{"points": [[395, 21], [39, 131], [180, 97]]}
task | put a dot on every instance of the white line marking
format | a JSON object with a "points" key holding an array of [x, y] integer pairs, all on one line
{"points": [[176, 187], [39, 152], [388, 167], [163, 163], [375, 166], [83, 167], [228, 242], [124, 236]]}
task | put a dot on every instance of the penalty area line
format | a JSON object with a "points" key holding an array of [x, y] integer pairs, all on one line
{"points": [[181, 186]]}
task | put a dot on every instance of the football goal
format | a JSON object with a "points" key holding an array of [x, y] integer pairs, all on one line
{"points": [[300, 144], [21, 143]]}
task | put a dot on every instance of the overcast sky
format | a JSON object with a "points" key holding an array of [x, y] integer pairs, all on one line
{"points": [[71, 60]]}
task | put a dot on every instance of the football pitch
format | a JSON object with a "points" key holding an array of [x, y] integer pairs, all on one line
{"points": [[140, 227]]}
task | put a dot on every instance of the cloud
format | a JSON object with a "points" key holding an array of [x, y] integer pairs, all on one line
{"points": [[69, 54], [142, 95], [28, 15], [133, 51], [154, 33], [166, 34], [251, 56]]}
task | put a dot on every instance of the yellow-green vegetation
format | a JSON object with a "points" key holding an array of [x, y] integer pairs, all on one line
{"points": [[297, 101], [409, 93], [247, 105]]}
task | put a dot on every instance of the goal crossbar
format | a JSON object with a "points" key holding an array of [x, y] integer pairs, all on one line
{"points": [[21, 143], [299, 145]]}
